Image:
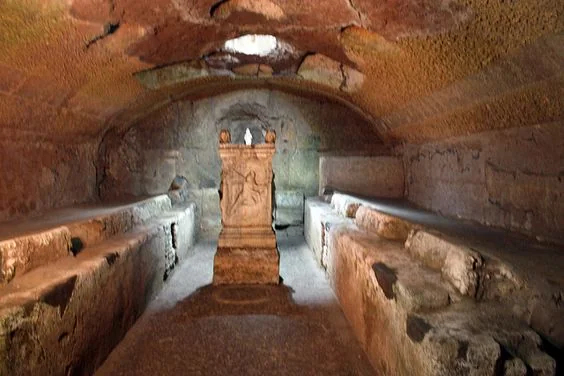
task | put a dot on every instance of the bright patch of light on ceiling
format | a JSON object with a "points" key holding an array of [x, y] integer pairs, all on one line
{"points": [[252, 44]]}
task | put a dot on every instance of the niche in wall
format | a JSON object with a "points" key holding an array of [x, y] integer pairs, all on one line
{"points": [[181, 140]]}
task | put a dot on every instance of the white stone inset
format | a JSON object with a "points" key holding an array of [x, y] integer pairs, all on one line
{"points": [[252, 44], [248, 137]]}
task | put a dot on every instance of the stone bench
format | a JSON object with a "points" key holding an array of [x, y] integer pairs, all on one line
{"points": [[66, 316], [318, 220], [59, 234], [421, 302]]}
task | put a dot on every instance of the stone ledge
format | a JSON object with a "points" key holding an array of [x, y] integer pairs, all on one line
{"points": [[458, 264], [24, 253], [318, 220], [40, 246], [121, 220], [473, 274], [398, 276], [66, 317], [383, 225], [71, 314], [412, 320]]}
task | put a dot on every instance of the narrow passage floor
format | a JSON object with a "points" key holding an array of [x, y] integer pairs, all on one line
{"points": [[194, 328]]}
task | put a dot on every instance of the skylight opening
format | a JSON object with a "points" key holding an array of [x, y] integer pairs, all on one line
{"points": [[252, 44]]}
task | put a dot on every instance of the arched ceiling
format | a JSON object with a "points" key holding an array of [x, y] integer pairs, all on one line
{"points": [[419, 69]]}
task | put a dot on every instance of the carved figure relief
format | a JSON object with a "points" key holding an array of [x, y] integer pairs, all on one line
{"points": [[246, 183], [249, 194]]}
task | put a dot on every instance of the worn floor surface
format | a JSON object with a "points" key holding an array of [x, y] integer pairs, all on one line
{"points": [[194, 328]]}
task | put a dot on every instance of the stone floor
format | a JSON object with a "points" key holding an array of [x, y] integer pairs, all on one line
{"points": [[194, 328]]}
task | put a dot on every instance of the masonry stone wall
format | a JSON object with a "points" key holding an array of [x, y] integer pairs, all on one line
{"points": [[38, 175], [511, 178], [373, 176], [181, 139]]}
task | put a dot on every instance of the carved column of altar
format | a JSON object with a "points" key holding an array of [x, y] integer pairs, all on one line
{"points": [[246, 252]]}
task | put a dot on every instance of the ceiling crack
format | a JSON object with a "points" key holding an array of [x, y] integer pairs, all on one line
{"points": [[109, 29], [361, 17], [343, 85]]}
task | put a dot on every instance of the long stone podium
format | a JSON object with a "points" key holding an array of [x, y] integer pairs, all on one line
{"points": [[246, 252]]}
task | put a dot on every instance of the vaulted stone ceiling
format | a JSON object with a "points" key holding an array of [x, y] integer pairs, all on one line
{"points": [[418, 69]]}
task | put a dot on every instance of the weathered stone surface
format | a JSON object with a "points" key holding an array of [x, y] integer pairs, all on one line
{"points": [[103, 45], [118, 220], [68, 315], [323, 70], [509, 179], [175, 74], [547, 317], [30, 244], [527, 346], [383, 289], [410, 17], [383, 225], [178, 190], [352, 80], [264, 8], [458, 264], [185, 230], [257, 70], [386, 278], [370, 176], [246, 266], [21, 254], [326, 71], [43, 175], [498, 281], [514, 367], [318, 221], [416, 328], [378, 322], [208, 211], [345, 205]]}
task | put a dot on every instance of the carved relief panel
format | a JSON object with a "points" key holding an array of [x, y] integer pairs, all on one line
{"points": [[246, 186]]}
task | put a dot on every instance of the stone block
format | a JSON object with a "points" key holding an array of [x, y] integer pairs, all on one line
{"points": [[262, 237], [118, 220], [514, 367], [246, 266], [345, 205], [527, 346], [23, 253], [383, 225], [322, 69], [318, 220], [171, 75], [458, 264]]}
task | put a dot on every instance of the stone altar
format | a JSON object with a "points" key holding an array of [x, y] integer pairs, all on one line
{"points": [[246, 252]]}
